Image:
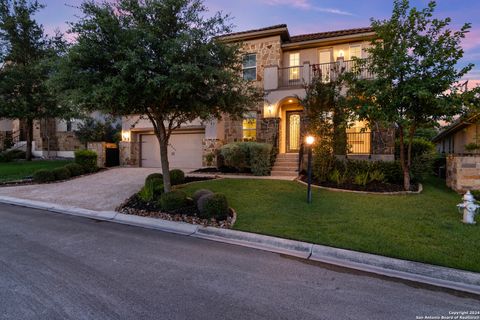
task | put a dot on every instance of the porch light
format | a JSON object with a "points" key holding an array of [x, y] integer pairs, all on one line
{"points": [[341, 53], [126, 136], [309, 140], [270, 109]]}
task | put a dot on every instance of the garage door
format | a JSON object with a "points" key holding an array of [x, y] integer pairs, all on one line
{"points": [[185, 150]]}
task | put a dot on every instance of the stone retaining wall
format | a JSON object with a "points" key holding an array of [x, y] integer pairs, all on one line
{"points": [[463, 172]]}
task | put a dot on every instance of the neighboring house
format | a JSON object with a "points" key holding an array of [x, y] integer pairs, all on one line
{"points": [[463, 132], [52, 137], [460, 142], [280, 64]]}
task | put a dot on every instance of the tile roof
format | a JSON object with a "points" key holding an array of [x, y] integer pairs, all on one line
{"points": [[278, 26], [328, 34]]}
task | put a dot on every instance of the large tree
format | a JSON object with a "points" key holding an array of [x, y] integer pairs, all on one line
{"points": [[157, 58], [414, 58], [27, 56]]}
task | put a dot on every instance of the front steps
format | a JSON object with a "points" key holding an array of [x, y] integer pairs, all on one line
{"points": [[286, 165]]}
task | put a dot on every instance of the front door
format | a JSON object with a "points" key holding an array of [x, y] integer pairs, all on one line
{"points": [[293, 131]]}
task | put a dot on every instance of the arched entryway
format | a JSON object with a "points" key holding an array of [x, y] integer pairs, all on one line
{"points": [[291, 114]]}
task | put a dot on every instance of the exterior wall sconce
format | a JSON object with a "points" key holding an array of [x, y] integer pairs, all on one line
{"points": [[270, 110], [126, 136], [309, 140]]}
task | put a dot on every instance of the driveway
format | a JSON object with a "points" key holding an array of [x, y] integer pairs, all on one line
{"points": [[103, 191], [55, 266]]}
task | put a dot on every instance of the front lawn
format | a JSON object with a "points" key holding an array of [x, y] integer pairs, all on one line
{"points": [[424, 227], [11, 171]]}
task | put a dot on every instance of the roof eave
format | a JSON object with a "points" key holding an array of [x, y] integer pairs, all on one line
{"points": [[328, 41], [282, 32]]}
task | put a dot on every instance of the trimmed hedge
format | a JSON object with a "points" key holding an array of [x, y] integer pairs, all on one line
{"points": [[75, 169], [61, 173], [7, 156], [173, 200], [200, 193], [213, 206], [43, 175], [248, 155], [152, 189], [156, 175], [87, 159], [177, 176]]}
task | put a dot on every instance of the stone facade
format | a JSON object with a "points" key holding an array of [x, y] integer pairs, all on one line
{"points": [[233, 129], [210, 147], [47, 138], [129, 153], [67, 141], [463, 172], [269, 53], [268, 130], [383, 144], [100, 149]]}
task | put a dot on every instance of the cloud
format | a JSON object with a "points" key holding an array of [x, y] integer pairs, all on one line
{"points": [[306, 5]]}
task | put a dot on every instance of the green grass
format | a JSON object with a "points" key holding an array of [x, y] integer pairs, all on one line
{"points": [[11, 171], [424, 227]]}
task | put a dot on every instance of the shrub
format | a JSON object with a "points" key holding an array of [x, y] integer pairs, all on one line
{"points": [[152, 190], [200, 193], [377, 175], [258, 157], [214, 206], [7, 156], [234, 156], [392, 171], [323, 161], [75, 169], [476, 194], [419, 146], [43, 175], [338, 177], [61, 173], [156, 175], [361, 179], [423, 158], [87, 159], [177, 176], [260, 161], [173, 200]]}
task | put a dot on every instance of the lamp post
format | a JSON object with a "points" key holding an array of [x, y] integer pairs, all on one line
{"points": [[309, 141]]}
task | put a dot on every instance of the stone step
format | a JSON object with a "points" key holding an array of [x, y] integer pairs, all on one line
{"points": [[285, 168], [284, 173], [287, 156], [286, 163]]}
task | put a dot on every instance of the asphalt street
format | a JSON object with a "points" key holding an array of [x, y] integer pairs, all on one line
{"points": [[54, 266]]}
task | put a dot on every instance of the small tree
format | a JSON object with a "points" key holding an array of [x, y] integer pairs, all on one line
{"points": [[159, 58], [26, 60], [414, 59], [92, 130], [328, 117]]}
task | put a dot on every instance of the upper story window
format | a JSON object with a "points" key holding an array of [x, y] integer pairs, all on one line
{"points": [[294, 60], [355, 51], [250, 67]]}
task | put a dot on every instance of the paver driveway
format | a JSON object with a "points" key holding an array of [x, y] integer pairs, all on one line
{"points": [[103, 191]]}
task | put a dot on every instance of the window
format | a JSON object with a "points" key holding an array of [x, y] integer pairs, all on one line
{"points": [[324, 67], [359, 138], [294, 71], [249, 126], [355, 51], [250, 67]]}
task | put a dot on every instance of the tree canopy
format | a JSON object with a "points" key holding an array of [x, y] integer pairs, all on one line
{"points": [[27, 56], [158, 58], [415, 60]]}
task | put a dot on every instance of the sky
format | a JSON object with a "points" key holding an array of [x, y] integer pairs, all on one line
{"points": [[307, 16]]}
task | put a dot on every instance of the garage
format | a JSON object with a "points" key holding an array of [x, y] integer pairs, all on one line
{"points": [[184, 151]]}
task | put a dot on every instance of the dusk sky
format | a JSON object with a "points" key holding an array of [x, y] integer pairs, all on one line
{"points": [[307, 16]]}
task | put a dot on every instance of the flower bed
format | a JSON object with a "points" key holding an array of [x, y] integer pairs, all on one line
{"points": [[189, 214], [374, 186]]}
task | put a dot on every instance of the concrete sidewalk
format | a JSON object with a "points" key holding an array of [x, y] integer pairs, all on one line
{"points": [[458, 280]]}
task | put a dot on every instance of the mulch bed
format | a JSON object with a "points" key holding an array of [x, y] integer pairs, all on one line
{"points": [[136, 206], [370, 187]]}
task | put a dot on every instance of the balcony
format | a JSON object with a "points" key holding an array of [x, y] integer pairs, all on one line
{"points": [[294, 77]]}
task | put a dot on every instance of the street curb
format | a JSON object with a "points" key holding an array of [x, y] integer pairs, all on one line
{"points": [[257, 241], [443, 277]]}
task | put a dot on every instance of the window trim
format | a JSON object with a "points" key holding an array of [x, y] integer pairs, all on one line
{"points": [[249, 68], [353, 46]]}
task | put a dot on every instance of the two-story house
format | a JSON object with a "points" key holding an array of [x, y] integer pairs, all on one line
{"points": [[281, 64]]}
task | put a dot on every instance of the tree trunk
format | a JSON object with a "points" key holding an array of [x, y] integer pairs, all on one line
{"points": [[163, 141], [403, 162], [29, 138]]}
